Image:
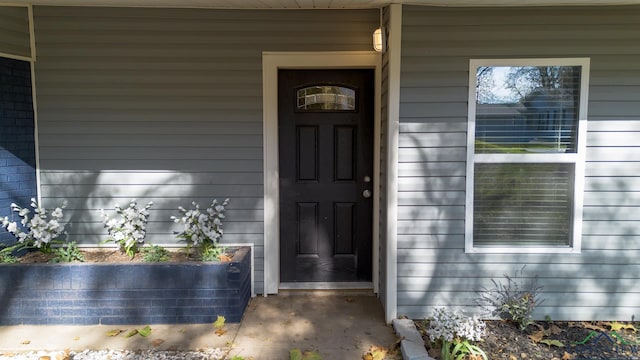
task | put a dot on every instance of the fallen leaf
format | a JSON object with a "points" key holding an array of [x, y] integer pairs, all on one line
{"points": [[554, 330], [26, 342], [157, 342], [224, 258], [219, 323], [311, 355], [131, 333], [76, 338], [295, 354], [512, 357], [145, 331], [589, 326], [539, 326], [551, 342], [350, 299], [616, 326], [45, 357], [376, 353], [63, 356], [115, 332], [537, 336], [220, 332], [567, 356]]}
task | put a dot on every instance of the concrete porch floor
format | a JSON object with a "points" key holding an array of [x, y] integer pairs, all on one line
{"points": [[336, 326]]}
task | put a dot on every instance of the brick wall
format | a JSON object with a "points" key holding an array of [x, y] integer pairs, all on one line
{"points": [[120, 294], [17, 144]]}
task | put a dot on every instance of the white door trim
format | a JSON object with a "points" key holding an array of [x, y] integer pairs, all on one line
{"points": [[271, 62]]}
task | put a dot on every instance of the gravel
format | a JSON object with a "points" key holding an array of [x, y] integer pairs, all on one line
{"points": [[207, 354]]}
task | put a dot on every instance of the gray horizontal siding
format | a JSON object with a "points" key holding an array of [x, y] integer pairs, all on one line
{"points": [[14, 31], [600, 283], [165, 105]]}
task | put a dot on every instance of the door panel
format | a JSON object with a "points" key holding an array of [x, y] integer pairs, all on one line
{"points": [[325, 157]]}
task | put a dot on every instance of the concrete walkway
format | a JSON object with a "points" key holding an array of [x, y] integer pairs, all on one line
{"points": [[338, 327]]}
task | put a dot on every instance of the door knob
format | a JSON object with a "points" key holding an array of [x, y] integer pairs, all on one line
{"points": [[366, 194]]}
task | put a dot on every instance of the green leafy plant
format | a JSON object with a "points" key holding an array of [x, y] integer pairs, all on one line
{"points": [[211, 252], [154, 253], [68, 252], [455, 332], [514, 300], [461, 349], [6, 255]]}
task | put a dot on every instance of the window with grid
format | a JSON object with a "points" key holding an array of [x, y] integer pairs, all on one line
{"points": [[525, 154]]}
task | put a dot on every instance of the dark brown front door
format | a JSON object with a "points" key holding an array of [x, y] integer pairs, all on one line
{"points": [[325, 120]]}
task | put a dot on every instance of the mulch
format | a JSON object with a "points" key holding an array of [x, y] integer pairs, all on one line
{"points": [[556, 340], [106, 255]]}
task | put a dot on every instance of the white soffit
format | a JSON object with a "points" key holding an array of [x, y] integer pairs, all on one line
{"points": [[314, 4]]}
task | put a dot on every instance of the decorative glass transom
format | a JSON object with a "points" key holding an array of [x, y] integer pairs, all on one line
{"points": [[327, 98]]}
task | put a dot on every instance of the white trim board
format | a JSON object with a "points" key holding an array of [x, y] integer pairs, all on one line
{"points": [[271, 62], [394, 53]]}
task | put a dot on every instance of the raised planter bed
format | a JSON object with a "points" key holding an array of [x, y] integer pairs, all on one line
{"points": [[136, 293]]}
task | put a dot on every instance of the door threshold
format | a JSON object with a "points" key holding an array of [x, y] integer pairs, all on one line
{"points": [[326, 288]]}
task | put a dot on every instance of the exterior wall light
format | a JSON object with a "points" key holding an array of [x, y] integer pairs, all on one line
{"points": [[378, 40]]}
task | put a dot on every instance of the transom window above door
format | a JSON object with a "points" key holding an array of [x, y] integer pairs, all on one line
{"points": [[326, 98], [525, 154]]}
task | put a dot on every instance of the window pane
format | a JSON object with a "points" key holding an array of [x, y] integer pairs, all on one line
{"points": [[326, 98], [527, 109], [523, 204]]}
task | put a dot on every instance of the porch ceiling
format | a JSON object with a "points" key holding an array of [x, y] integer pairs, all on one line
{"points": [[313, 4]]}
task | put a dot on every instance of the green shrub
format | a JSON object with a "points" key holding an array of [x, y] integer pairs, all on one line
{"points": [[154, 253], [68, 252], [7, 258]]}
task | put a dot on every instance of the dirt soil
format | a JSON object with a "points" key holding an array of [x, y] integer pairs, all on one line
{"points": [[103, 255], [556, 340]]}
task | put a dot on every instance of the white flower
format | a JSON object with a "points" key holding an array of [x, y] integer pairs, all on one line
{"points": [[38, 230], [449, 324], [12, 227], [201, 227], [129, 228], [57, 213], [54, 224]]}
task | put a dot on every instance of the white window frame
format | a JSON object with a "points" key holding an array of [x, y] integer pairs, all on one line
{"points": [[577, 158]]}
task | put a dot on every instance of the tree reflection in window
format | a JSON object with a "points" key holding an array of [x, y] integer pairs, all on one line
{"points": [[525, 109], [326, 98]]}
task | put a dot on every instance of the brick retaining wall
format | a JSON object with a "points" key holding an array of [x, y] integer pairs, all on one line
{"points": [[162, 293]]}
